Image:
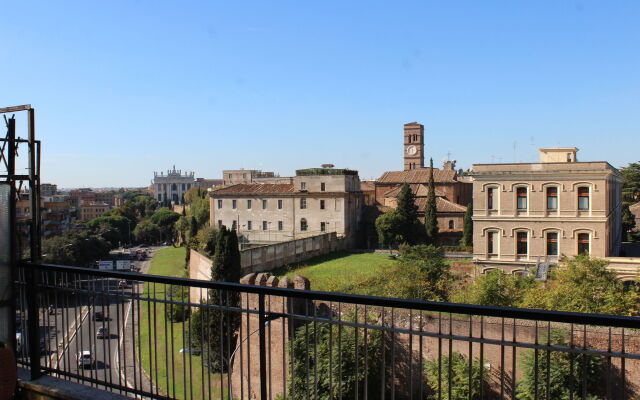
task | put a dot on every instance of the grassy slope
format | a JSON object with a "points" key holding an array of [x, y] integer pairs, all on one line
{"points": [[189, 374], [337, 272]]}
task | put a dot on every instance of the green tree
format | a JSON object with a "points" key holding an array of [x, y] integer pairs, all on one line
{"points": [[80, 249], [178, 310], [225, 268], [631, 182], [496, 288], [114, 229], [200, 210], [389, 229], [207, 239], [165, 219], [565, 381], [431, 211], [182, 228], [194, 193], [467, 230], [449, 378], [628, 220], [584, 284], [334, 352], [407, 211], [147, 232]]}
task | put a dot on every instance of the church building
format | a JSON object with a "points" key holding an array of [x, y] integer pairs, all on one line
{"points": [[453, 193]]}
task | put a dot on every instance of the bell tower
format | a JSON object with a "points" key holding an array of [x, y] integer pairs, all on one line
{"points": [[413, 146]]}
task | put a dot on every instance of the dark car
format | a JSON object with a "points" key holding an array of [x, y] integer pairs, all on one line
{"points": [[98, 316]]}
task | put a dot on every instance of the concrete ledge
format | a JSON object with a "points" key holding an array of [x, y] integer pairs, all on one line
{"points": [[48, 387]]}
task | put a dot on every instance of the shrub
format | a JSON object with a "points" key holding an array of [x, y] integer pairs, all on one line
{"points": [[449, 378], [178, 312]]}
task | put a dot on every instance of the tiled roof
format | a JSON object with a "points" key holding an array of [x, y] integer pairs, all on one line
{"points": [[420, 190], [254, 188], [367, 186], [442, 205], [418, 176]]}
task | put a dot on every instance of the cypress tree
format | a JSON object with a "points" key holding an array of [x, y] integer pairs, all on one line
{"points": [[467, 230], [430, 213], [407, 211]]}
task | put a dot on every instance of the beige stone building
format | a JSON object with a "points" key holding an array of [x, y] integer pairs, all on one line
{"points": [[90, 211], [316, 201], [525, 212]]}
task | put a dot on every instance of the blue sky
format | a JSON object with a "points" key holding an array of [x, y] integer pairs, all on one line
{"points": [[123, 88]]}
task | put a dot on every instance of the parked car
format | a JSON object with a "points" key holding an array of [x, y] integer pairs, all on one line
{"points": [[122, 283], [85, 359], [98, 316], [102, 333]]}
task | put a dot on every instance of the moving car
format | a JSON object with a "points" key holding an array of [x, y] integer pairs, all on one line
{"points": [[85, 359], [102, 333], [98, 316]]}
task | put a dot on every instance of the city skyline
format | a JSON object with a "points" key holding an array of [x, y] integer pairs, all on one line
{"points": [[278, 87]]}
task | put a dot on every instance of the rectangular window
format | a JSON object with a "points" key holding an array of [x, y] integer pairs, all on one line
{"points": [[583, 243], [490, 245], [234, 225], [184, 186], [219, 204], [234, 204], [303, 204], [583, 198], [522, 245], [264, 204], [280, 225], [248, 204], [303, 185], [322, 187], [248, 225], [279, 204], [219, 223], [552, 243], [264, 225], [522, 198], [322, 226], [490, 199], [552, 198], [322, 204]]}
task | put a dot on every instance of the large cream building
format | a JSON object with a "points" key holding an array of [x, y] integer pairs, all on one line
{"points": [[317, 200], [526, 212]]}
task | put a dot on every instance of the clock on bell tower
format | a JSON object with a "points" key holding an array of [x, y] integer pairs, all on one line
{"points": [[413, 146]]}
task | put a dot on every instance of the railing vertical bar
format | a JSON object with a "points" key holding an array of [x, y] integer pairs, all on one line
{"points": [[420, 365], [79, 322], [623, 368], [306, 339], [513, 361], [167, 321], [331, 352], [151, 348], [393, 354], [383, 363], [449, 366], [107, 354], [609, 366], [470, 362], [315, 351], [189, 346], [92, 324], [138, 328], [357, 355], [248, 329], [548, 389], [584, 362], [123, 365], [57, 304], [481, 358], [133, 338], [571, 383], [535, 363], [340, 351], [285, 336], [366, 355], [263, 348], [411, 354], [502, 359], [226, 315]]}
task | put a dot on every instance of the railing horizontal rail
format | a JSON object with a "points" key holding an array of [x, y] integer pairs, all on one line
{"points": [[453, 308]]}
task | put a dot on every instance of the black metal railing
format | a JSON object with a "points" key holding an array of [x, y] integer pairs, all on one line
{"points": [[164, 337]]}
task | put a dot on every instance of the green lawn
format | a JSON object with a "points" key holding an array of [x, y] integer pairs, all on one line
{"points": [[337, 272], [168, 338]]}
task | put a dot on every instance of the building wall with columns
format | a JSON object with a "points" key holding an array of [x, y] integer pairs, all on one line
{"points": [[171, 187]]}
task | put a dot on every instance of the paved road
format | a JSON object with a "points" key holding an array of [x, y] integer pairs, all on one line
{"points": [[73, 327]]}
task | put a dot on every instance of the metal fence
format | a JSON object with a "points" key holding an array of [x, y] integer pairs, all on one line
{"points": [[142, 336]]}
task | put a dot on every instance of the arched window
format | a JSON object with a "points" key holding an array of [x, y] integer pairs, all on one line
{"points": [[303, 224], [451, 224], [583, 243]]}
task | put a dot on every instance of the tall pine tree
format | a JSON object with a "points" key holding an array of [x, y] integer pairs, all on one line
{"points": [[407, 212], [430, 213], [467, 229]]}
